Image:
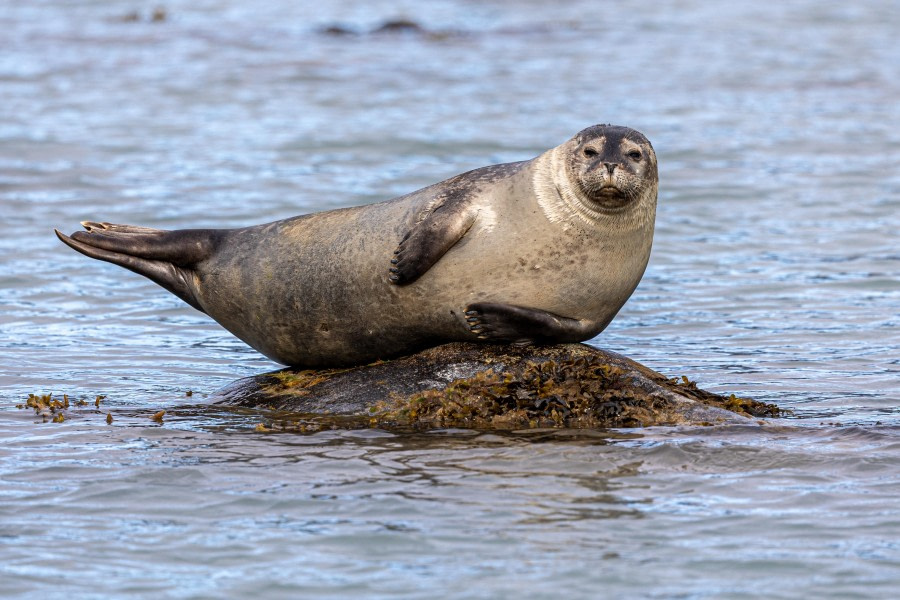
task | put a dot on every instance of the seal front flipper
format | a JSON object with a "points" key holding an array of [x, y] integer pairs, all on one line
{"points": [[164, 257], [445, 219], [495, 322], [429, 239]]}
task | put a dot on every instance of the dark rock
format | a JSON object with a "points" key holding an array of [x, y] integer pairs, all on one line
{"points": [[394, 27], [399, 26], [488, 387], [338, 30]]}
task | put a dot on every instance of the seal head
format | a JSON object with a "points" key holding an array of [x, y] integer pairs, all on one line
{"points": [[605, 172]]}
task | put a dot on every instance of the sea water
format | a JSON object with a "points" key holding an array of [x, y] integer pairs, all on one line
{"points": [[775, 274]]}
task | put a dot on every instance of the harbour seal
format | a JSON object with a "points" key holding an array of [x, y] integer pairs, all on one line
{"points": [[540, 251]]}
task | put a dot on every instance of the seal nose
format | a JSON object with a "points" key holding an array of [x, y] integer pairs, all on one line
{"points": [[610, 167]]}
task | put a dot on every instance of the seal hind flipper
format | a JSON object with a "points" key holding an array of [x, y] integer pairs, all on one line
{"points": [[183, 247], [92, 225], [494, 322], [147, 254]]}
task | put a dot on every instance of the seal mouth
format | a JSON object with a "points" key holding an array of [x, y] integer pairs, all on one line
{"points": [[609, 197]]}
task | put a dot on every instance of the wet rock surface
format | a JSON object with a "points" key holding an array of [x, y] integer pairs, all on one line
{"points": [[488, 387]]}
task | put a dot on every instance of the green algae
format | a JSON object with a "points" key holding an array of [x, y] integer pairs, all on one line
{"points": [[583, 392], [741, 406], [299, 382], [495, 388], [54, 410], [576, 390]]}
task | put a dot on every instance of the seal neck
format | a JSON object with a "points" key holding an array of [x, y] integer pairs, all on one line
{"points": [[565, 203]]}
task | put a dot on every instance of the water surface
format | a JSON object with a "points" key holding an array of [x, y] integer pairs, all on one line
{"points": [[775, 274]]}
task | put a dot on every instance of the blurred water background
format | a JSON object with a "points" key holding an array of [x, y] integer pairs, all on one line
{"points": [[775, 274]]}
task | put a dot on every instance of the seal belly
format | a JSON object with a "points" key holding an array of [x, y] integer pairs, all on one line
{"points": [[585, 275]]}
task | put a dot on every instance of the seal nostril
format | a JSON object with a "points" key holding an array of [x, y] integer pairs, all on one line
{"points": [[610, 167]]}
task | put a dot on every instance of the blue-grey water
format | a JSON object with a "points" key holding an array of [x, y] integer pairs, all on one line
{"points": [[775, 274]]}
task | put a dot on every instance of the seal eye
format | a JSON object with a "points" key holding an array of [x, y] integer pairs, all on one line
{"points": [[590, 152], [634, 155]]}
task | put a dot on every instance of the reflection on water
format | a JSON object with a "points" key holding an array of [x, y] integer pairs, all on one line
{"points": [[775, 273]]}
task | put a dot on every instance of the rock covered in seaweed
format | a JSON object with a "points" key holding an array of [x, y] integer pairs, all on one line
{"points": [[489, 387]]}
